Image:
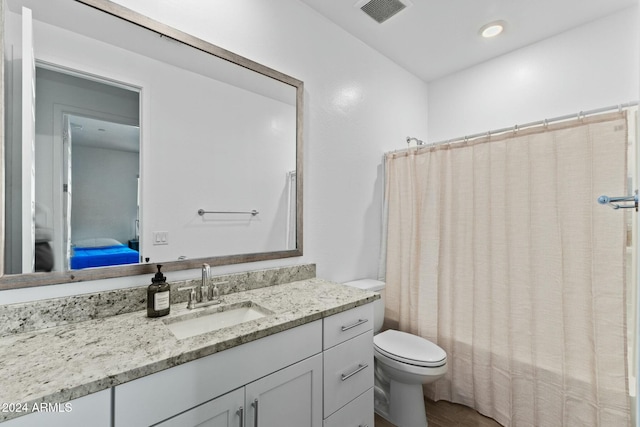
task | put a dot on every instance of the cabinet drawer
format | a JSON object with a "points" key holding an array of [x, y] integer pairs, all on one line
{"points": [[346, 325], [348, 371], [358, 413]]}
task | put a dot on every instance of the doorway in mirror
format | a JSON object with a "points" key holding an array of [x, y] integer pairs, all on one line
{"points": [[86, 157]]}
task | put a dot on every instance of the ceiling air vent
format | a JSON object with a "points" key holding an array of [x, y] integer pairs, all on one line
{"points": [[381, 10]]}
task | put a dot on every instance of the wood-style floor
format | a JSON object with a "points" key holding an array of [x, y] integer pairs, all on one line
{"points": [[447, 414]]}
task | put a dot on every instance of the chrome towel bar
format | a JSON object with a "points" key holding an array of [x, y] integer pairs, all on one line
{"points": [[201, 212]]}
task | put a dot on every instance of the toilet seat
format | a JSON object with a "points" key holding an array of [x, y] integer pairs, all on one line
{"points": [[410, 349]]}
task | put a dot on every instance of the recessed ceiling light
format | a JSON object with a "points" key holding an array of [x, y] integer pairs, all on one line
{"points": [[492, 29]]}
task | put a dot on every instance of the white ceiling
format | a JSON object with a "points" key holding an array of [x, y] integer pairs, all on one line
{"points": [[434, 38], [104, 134]]}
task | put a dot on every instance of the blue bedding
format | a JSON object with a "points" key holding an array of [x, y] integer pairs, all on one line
{"points": [[103, 256]]}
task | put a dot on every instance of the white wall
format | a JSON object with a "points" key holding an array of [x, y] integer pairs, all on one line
{"points": [[589, 67], [358, 105], [104, 200]]}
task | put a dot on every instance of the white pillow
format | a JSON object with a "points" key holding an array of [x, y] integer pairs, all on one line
{"points": [[96, 242]]}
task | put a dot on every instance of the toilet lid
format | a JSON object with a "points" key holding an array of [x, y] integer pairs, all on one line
{"points": [[408, 348]]}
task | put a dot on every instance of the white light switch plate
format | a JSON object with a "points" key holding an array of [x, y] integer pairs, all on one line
{"points": [[160, 237]]}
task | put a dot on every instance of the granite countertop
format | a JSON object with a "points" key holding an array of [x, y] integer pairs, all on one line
{"points": [[66, 362]]}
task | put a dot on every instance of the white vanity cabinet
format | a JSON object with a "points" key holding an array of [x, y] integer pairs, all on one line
{"points": [[279, 371], [348, 368], [90, 410], [319, 374], [298, 367]]}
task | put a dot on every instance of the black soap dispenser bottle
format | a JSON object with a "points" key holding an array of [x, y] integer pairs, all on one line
{"points": [[158, 296]]}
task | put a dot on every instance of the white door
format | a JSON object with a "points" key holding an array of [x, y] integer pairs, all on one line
{"points": [[633, 278], [66, 192], [225, 411], [289, 397], [28, 143]]}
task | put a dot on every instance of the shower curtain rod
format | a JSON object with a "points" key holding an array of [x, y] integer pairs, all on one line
{"points": [[515, 128]]}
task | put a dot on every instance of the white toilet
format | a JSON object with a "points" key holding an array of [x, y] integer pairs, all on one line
{"points": [[403, 362]]}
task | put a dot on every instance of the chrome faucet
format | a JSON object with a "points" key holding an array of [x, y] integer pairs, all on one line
{"points": [[203, 295], [204, 287]]}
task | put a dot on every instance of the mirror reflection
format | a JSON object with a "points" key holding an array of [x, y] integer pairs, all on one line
{"points": [[86, 160], [103, 220], [135, 132]]}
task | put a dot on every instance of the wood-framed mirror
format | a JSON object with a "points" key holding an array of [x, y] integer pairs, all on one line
{"points": [[123, 133]]}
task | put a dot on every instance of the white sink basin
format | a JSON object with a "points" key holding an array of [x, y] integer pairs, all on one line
{"points": [[214, 318]]}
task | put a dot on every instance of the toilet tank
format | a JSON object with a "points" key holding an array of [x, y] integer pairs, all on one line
{"points": [[378, 305]]}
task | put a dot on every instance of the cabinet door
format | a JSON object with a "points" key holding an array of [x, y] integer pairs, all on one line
{"points": [[224, 411], [289, 397]]}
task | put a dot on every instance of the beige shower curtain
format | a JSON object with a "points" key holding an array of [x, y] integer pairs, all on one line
{"points": [[498, 252]]}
